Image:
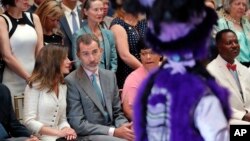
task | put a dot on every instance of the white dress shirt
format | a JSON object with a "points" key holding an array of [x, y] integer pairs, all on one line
{"points": [[67, 13]]}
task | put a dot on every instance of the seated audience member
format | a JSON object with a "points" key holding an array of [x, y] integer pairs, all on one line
{"points": [[232, 75], [149, 60], [93, 103], [10, 127], [45, 95]]}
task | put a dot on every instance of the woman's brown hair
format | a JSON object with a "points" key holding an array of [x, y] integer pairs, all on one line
{"points": [[47, 72]]}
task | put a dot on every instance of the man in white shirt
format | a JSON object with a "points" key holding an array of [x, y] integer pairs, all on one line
{"points": [[232, 75], [94, 108], [70, 22]]}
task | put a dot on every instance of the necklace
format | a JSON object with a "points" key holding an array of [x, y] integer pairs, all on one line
{"points": [[230, 18]]}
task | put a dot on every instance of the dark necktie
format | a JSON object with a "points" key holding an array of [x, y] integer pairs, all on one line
{"points": [[231, 66], [74, 22]]}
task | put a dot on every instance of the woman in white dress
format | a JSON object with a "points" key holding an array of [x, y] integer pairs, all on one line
{"points": [[45, 95], [21, 38]]}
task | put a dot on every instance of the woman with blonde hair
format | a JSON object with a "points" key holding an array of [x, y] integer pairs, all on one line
{"points": [[45, 95], [50, 12]]}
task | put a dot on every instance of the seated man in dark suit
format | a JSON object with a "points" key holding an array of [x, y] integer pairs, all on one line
{"points": [[10, 127], [93, 104]]}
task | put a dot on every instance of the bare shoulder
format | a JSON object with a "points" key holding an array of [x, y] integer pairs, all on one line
{"points": [[35, 18], [3, 27], [2, 22], [117, 28]]}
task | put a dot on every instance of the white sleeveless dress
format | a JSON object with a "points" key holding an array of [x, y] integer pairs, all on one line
{"points": [[23, 45]]}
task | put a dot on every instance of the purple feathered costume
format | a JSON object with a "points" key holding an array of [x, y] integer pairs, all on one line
{"points": [[164, 107]]}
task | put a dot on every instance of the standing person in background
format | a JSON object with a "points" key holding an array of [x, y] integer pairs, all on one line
{"points": [[93, 10], [19, 50], [233, 18], [70, 23], [106, 19], [35, 5], [45, 95], [10, 127], [128, 29], [50, 12], [150, 61]]}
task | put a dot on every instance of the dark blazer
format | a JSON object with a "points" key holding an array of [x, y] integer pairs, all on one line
{"points": [[68, 35], [85, 112], [7, 116]]}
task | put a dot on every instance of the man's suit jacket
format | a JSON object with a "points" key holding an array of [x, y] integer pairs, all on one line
{"points": [[68, 35], [7, 116], [85, 112], [109, 47], [219, 70]]}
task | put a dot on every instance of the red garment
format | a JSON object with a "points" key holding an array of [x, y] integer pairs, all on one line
{"points": [[231, 66]]}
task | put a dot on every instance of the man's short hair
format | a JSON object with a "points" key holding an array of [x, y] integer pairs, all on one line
{"points": [[219, 34], [86, 39]]}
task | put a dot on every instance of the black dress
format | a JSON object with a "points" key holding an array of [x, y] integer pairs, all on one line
{"points": [[135, 33], [54, 38]]}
